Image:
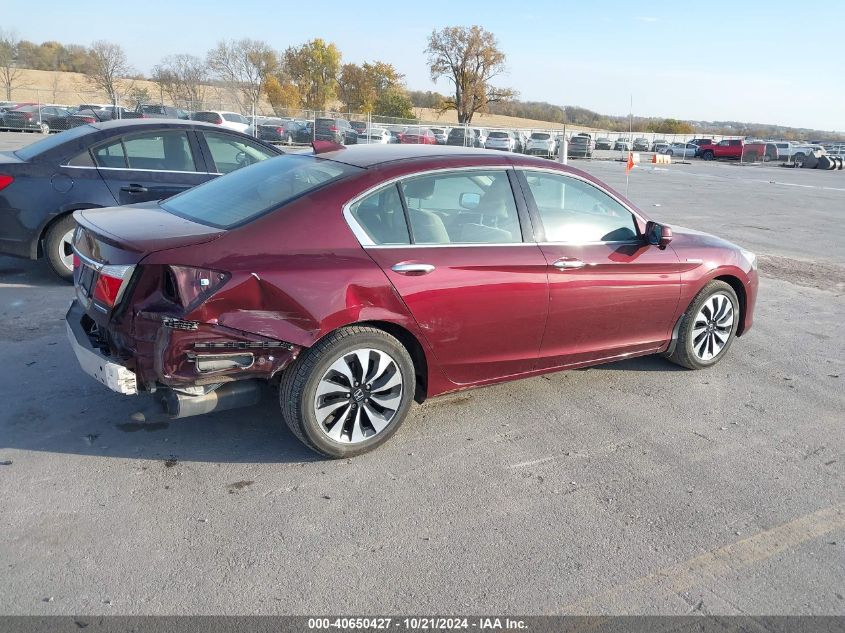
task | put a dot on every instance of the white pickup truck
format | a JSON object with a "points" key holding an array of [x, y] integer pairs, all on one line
{"points": [[799, 152]]}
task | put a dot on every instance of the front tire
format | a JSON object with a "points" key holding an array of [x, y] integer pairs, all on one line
{"points": [[349, 393], [708, 155], [708, 327], [58, 246]]}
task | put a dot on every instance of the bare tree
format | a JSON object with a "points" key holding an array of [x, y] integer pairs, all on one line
{"points": [[183, 78], [109, 69], [10, 74], [469, 57], [243, 66]]}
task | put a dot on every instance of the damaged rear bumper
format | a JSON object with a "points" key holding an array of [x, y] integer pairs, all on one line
{"points": [[93, 362], [156, 351]]}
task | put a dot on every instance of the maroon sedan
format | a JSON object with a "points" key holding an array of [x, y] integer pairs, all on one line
{"points": [[360, 279], [418, 136]]}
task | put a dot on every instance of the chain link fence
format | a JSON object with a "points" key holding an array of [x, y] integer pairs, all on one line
{"points": [[53, 110]]}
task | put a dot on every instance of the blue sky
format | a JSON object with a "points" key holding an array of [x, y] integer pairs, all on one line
{"points": [[743, 60]]}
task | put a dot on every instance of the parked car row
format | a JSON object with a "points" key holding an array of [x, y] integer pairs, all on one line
{"points": [[46, 118]]}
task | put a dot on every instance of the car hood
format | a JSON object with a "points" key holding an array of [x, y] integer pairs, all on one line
{"points": [[144, 228], [683, 237]]}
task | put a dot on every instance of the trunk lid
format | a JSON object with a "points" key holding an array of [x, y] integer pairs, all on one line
{"points": [[136, 230]]}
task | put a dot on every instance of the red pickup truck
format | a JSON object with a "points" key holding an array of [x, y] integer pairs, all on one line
{"points": [[736, 149]]}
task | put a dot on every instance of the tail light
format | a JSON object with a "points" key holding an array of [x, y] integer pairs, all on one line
{"points": [[89, 119], [111, 283], [5, 181], [192, 286], [333, 128], [280, 130]]}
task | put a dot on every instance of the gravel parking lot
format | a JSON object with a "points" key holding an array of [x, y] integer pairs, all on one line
{"points": [[634, 487]]}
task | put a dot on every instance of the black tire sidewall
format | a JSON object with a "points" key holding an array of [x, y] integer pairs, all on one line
{"points": [[51, 241], [714, 287], [328, 355]]}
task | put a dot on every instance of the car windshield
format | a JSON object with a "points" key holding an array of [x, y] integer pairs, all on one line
{"points": [[537, 136], [52, 142], [245, 194], [498, 135]]}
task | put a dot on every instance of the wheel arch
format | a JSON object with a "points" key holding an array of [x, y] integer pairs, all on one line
{"points": [[736, 284], [415, 351], [37, 248], [739, 288]]}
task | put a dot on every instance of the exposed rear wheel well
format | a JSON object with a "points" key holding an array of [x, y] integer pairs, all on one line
{"points": [[739, 289]]}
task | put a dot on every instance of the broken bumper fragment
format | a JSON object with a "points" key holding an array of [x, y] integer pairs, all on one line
{"points": [[95, 363]]}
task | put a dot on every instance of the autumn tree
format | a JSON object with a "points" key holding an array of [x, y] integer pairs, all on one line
{"points": [[183, 78], [394, 102], [360, 87], [10, 74], [469, 58], [282, 94], [671, 126], [244, 66], [108, 69], [313, 69]]}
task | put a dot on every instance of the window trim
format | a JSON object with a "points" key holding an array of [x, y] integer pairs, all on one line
{"points": [[540, 235], [366, 242]]}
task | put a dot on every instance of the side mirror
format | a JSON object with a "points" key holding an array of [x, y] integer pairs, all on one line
{"points": [[469, 200], [658, 234]]}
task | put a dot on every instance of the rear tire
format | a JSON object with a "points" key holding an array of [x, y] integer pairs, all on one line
{"points": [[328, 386], [57, 246], [708, 327], [708, 155]]}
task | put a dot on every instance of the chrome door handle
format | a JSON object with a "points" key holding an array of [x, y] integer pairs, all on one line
{"points": [[568, 264], [412, 269]]}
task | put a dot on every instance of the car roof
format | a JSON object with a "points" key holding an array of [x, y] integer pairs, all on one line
{"points": [[377, 154], [128, 123]]}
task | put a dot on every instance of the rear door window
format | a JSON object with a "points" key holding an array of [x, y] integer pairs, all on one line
{"points": [[150, 151], [462, 207]]}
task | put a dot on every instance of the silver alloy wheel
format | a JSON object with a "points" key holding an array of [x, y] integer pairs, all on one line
{"points": [[358, 396], [713, 327], [45, 128], [66, 250]]}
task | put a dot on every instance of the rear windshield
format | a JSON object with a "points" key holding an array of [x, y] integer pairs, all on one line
{"points": [[247, 193], [538, 136], [208, 117], [52, 142], [498, 135]]}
